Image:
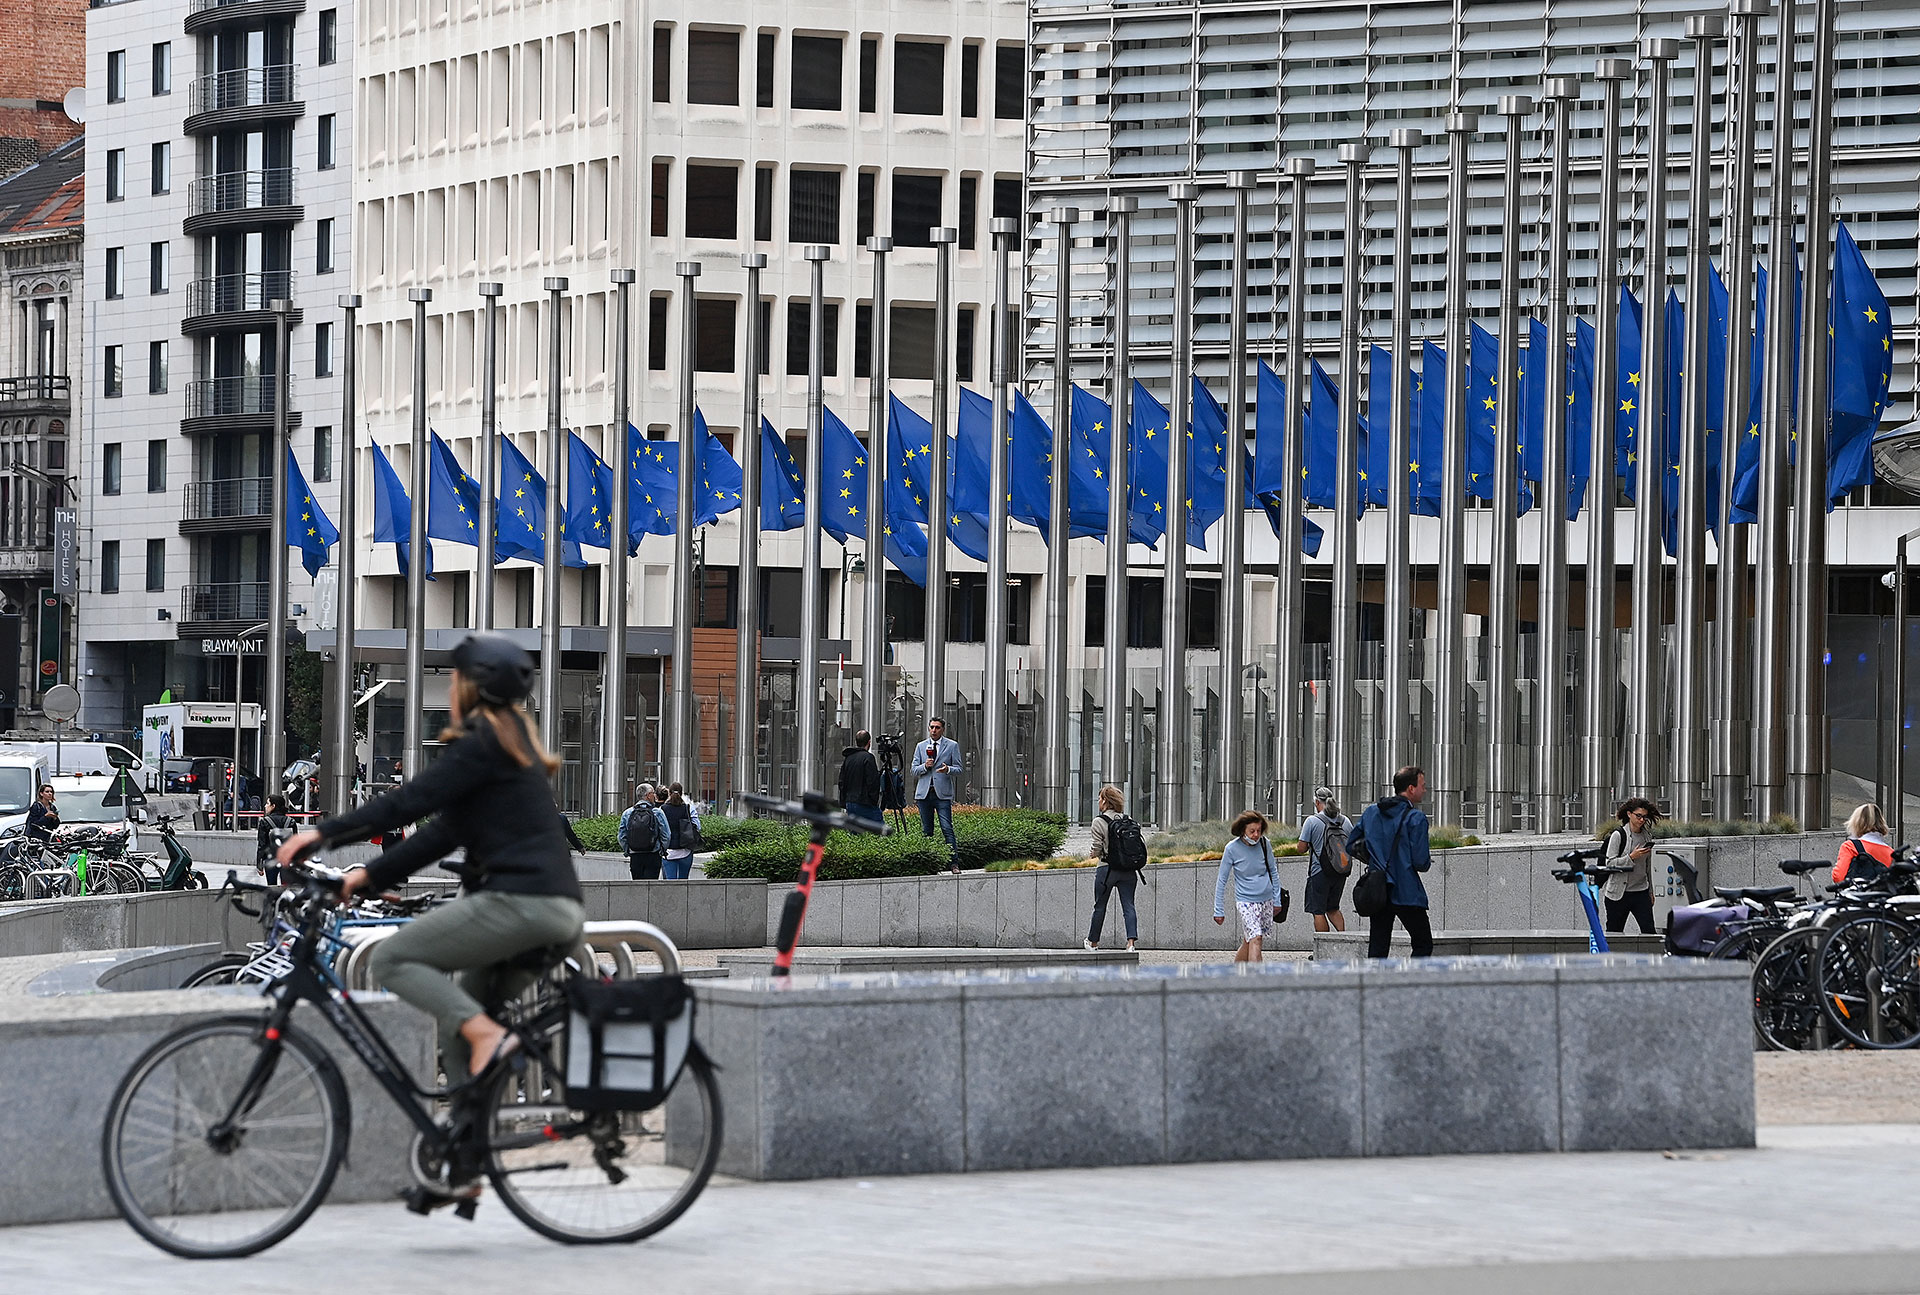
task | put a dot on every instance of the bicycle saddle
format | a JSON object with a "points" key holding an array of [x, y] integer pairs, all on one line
{"points": [[1764, 894], [1801, 867]]}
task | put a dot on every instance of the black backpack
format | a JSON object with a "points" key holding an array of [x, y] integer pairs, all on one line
{"points": [[1126, 846], [643, 830]]}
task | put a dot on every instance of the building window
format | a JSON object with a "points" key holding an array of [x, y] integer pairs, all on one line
{"points": [[663, 63], [799, 316], [910, 343], [159, 270], [763, 69], [110, 566], [110, 468], [763, 204], [713, 201], [662, 175], [967, 608], [963, 344], [863, 207], [970, 79], [969, 211], [162, 168], [116, 174], [163, 67], [329, 35], [157, 368], [657, 332], [114, 364], [713, 334], [323, 350], [1006, 197], [919, 78], [323, 246], [869, 74], [863, 340], [326, 141], [1009, 82], [813, 206], [116, 76], [157, 462], [323, 454], [156, 566], [815, 75], [116, 285], [713, 67], [916, 209]]}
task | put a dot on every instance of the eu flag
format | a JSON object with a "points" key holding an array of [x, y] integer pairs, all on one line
{"points": [[718, 490], [1626, 412], [1580, 417], [393, 512], [1090, 487], [308, 528], [1483, 366], [521, 531], [1423, 446], [1147, 467], [652, 498], [1269, 432], [1029, 466], [968, 518], [1861, 329], [1746, 458], [1322, 456], [1207, 442], [589, 496], [909, 475], [843, 503], [783, 504], [1429, 429], [453, 497]]}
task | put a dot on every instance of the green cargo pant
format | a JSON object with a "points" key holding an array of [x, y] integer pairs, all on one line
{"points": [[470, 936]]}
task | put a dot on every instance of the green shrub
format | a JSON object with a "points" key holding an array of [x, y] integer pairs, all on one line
{"points": [[1667, 829], [599, 832], [991, 835], [602, 831], [1447, 836], [1199, 838], [776, 855]]}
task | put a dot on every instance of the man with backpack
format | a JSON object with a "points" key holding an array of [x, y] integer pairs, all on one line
{"points": [[1325, 835], [1122, 850], [1392, 839], [643, 835]]}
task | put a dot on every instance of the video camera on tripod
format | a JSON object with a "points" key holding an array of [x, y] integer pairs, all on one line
{"points": [[893, 780]]}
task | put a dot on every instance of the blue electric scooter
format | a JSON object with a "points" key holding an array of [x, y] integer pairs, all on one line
{"points": [[1582, 878]]}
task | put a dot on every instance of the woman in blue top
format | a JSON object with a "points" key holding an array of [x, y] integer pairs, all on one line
{"points": [[1248, 859]]}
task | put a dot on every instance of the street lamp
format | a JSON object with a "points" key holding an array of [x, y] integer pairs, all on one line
{"points": [[239, 665]]}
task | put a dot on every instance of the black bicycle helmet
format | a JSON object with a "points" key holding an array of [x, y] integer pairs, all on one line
{"points": [[499, 668]]}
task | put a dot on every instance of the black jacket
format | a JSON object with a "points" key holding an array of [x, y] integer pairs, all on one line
{"points": [[859, 777], [266, 845], [42, 818], [481, 798]]}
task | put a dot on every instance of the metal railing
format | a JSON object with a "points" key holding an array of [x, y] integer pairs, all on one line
{"points": [[201, 6], [46, 386], [231, 292], [242, 87], [241, 191], [227, 397], [239, 497], [245, 601]]}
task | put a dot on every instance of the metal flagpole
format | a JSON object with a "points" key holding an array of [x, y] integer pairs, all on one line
{"points": [[556, 521], [1602, 669], [1288, 609], [1450, 692], [1770, 615], [1807, 716], [873, 655], [1690, 541], [613, 689], [1115, 766], [416, 654], [993, 760], [935, 682], [1550, 704], [1233, 592], [1053, 739], [489, 456], [1399, 568], [273, 713], [1733, 607], [1170, 806], [1644, 772], [1897, 800], [345, 761], [806, 689], [746, 656], [683, 758], [1345, 632], [1503, 574]]}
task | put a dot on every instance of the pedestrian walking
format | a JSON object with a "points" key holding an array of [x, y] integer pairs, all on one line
{"points": [[1867, 849], [275, 821], [1394, 832], [683, 834], [1122, 850], [644, 835], [1325, 835], [860, 788], [42, 816], [935, 762], [1630, 894], [1248, 860]]}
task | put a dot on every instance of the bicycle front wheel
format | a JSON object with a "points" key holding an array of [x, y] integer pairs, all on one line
{"points": [[219, 1143], [590, 1178], [1786, 993], [1870, 982]]}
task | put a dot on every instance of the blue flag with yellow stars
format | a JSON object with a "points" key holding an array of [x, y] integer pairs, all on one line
{"points": [[453, 497], [1269, 432], [308, 528], [843, 500], [783, 504], [717, 493], [1746, 456], [1029, 465], [589, 517], [1423, 461], [968, 521], [1579, 403], [521, 528], [1626, 396], [1093, 448], [393, 512], [1322, 450], [1483, 410], [911, 439], [1206, 464], [1147, 467], [1429, 429], [652, 498], [1861, 329]]}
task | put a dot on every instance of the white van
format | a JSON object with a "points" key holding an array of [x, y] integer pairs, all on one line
{"points": [[76, 757], [21, 773]]}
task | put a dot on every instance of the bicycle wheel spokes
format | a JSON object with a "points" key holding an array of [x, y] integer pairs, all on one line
{"points": [[598, 1177], [1869, 985], [198, 1191], [1786, 1000]]}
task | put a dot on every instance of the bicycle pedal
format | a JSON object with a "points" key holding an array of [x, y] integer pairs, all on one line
{"points": [[466, 1208], [419, 1201]]}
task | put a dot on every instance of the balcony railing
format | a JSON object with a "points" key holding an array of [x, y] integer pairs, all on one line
{"points": [[227, 293], [45, 387], [241, 191], [243, 87], [240, 497], [246, 601], [231, 397]]}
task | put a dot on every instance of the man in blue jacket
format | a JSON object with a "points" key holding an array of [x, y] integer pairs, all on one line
{"points": [[1395, 831]]}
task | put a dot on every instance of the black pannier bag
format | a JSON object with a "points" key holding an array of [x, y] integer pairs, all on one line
{"points": [[626, 1041]]}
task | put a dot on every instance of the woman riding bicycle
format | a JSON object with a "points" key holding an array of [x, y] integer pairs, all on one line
{"points": [[490, 792]]}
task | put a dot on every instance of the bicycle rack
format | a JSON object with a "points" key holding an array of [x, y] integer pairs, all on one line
{"points": [[617, 939]]}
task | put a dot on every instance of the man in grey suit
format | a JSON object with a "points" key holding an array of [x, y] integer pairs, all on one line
{"points": [[935, 761]]}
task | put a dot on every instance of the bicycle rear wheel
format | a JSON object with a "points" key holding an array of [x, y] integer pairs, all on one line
{"points": [[597, 1177], [202, 1196], [224, 970], [1870, 982], [1786, 997]]}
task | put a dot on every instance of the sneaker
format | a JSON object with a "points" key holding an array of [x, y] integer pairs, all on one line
{"points": [[1130, 947], [1091, 946]]}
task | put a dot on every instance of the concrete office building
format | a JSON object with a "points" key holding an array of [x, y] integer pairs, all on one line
{"points": [[219, 151]]}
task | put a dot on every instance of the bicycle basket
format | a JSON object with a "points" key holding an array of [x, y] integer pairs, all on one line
{"points": [[626, 1041]]}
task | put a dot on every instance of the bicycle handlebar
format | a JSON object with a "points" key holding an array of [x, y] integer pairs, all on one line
{"points": [[814, 808]]}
